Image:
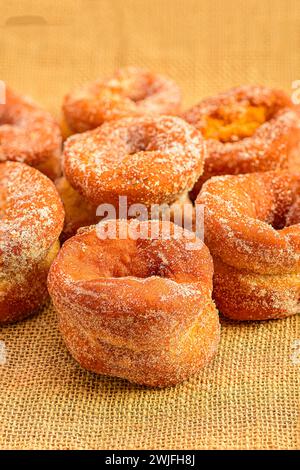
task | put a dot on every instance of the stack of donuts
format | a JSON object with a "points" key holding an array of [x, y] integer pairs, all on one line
{"points": [[137, 293]]}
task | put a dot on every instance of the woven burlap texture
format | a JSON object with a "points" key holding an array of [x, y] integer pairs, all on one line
{"points": [[248, 397]]}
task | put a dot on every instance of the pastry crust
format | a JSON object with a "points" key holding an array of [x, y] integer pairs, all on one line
{"points": [[31, 219], [131, 91], [138, 309], [252, 230], [30, 135], [248, 129]]}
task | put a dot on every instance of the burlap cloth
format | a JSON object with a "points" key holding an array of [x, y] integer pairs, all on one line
{"points": [[249, 396]]}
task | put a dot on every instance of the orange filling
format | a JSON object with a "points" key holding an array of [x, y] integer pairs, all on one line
{"points": [[230, 124]]}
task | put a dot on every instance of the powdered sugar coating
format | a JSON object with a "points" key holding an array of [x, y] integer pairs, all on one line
{"points": [[131, 91], [270, 145], [252, 227], [139, 309], [148, 159], [246, 217], [29, 134], [31, 219], [241, 294]]}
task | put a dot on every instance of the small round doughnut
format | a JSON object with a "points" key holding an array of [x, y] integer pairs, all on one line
{"points": [[29, 134], [151, 160], [252, 228], [133, 307], [31, 219], [132, 91], [248, 129]]}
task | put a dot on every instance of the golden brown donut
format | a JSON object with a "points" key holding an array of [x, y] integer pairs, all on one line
{"points": [[248, 129], [31, 219], [131, 91], [150, 160], [140, 308], [252, 228], [80, 213], [29, 134]]}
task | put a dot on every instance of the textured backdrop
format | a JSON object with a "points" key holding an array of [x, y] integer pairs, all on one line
{"points": [[249, 396]]}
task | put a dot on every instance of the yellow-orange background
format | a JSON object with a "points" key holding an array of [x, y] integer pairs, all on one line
{"points": [[206, 45], [248, 397]]}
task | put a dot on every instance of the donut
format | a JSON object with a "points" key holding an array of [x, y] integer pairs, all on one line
{"points": [[247, 129], [138, 308], [80, 213], [131, 91], [252, 228], [150, 160], [31, 219], [29, 134]]}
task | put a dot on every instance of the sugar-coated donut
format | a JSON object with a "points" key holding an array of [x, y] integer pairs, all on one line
{"points": [[31, 219], [150, 160], [252, 227], [29, 134], [132, 91], [80, 213], [137, 308], [248, 129]]}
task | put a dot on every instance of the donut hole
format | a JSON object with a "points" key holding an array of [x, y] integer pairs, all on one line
{"points": [[10, 114], [137, 85], [137, 145], [150, 138], [93, 259], [269, 197], [140, 92], [293, 214], [134, 89], [279, 222], [140, 139], [285, 210], [117, 258], [230, 123], [5, 120]]}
